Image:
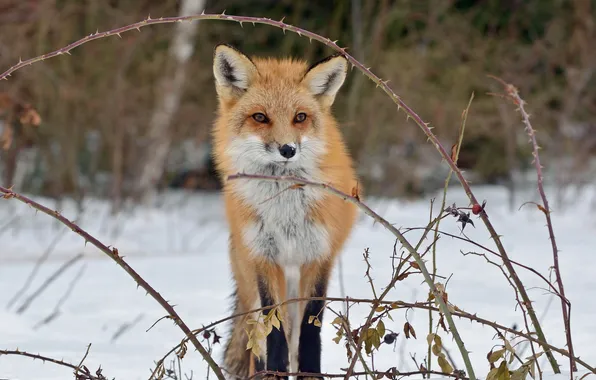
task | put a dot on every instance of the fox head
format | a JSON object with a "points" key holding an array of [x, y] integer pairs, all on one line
{"points": [[274, 115]]}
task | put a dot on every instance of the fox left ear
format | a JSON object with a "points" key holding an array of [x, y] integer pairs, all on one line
{"points": [[325, 77], [233, 71]]}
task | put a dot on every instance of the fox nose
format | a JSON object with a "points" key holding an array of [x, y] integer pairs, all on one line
{"points": [[287, 151]]}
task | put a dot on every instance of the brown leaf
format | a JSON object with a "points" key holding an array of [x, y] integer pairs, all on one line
{"points": [[29, 116], [442, 323], [409, 330], [414, 265], [454, 152]]}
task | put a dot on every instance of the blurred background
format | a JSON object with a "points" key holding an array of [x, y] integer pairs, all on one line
{"points": [[125, 118]]}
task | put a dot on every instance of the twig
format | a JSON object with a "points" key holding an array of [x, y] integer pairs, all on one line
{"points": [[460, 139], [513, 94], [62, 363], [466, 239], [114, 255], [78, 369]]}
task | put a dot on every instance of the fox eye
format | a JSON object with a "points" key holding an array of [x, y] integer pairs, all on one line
{"points": [[299, 118], [260, 118]]}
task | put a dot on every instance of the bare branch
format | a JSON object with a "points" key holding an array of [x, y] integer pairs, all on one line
{"points": [[513, 95], [114, 255], [84, 372]]}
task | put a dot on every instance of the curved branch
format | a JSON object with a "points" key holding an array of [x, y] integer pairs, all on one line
{"points": [[114, 255]]}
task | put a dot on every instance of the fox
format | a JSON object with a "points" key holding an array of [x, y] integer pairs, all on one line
{"points": [[274, 118]]}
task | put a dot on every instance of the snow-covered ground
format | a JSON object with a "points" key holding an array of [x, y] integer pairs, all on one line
{"points": [[180, 248]]}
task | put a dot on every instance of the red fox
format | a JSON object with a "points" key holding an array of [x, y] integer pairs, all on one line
{"points": [[274, 118]]}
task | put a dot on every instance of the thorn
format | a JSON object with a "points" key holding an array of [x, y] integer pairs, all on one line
{"points": [[20, 60], [203, 13], [223, 13], [148, 18], [282, 19], [118, 34], [299, 33], [242, 26], [139, 29]]}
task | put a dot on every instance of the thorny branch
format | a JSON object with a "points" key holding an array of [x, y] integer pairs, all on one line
{"points": [[81, 371], [114, 255], [366, 71], [513, 94]]}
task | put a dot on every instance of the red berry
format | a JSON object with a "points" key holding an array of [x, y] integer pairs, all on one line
{"points": [[476, 209]]}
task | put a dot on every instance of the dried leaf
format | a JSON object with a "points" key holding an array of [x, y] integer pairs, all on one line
{"points": [[275, 322], [444, 364], [380, 309], [338, 336], [521, 373], [414, 265], [337, 321], [429, 338], [503, 372], [492, 374], [409, 330], [381, 328], [496, 355], [541, 208], [317, 322], [454, 152], [29, 116], [311, 319]]}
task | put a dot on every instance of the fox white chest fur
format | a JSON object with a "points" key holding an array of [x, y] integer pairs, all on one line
{"points": [[284, 232]]}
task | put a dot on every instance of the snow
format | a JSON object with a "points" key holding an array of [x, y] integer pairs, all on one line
{"points": [[180, 247]]}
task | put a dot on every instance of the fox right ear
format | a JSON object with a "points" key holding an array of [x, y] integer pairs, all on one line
{"points": [[233, 70]]}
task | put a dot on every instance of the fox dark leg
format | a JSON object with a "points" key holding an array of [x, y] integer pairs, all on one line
{"points": [[277, 345]]}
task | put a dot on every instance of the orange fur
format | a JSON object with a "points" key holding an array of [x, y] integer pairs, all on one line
{"points": [[278, 89]]}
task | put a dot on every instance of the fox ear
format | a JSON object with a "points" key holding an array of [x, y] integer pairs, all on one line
{"points": [[233, 70], [325, 77]]}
